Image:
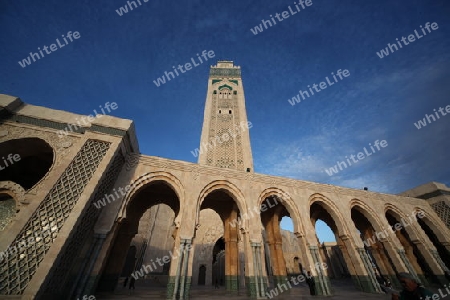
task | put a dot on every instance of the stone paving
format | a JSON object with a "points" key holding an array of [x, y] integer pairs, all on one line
{"points": [[342, 290]]}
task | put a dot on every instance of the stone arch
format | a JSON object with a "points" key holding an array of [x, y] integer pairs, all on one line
{"points": [[377, 241], [369, 213], [416, 248], [333, 210], [399, 215], [355, 257], [437, 234], [288, 202], [139, 183], [135, 204], [230, 189], [435, 223], [228, 202]]}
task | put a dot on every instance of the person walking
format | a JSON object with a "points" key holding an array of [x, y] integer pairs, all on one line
{"points": [[131, 286], [311, 283]]}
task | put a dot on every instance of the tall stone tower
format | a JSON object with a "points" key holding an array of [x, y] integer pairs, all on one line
{"points": [[225, 140]]}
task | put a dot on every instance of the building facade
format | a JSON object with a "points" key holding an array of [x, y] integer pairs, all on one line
{"points": [[81, 209]]}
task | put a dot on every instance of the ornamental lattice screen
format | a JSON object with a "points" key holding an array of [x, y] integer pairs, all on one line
{"points": [[60, 280], [18, 269], [443, 211]]}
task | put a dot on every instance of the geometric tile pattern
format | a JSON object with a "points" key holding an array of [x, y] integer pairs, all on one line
{"points": [[43, 226]]}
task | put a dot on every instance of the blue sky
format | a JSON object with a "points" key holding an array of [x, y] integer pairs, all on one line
{"points": [[118, 57]]}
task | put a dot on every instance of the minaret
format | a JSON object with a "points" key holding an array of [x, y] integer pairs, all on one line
{"points": [[225, 140]]}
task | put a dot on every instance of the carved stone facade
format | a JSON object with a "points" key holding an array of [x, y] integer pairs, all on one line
{"points": [[186, 220]]}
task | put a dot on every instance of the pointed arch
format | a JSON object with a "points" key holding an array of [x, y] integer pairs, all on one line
{"points": [[230, 189], [288, 203], [333, 210], [369, 213], [434, 223], [144, 180]]}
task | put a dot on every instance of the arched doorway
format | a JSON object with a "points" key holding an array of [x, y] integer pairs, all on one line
{"points": [[356, 259], [223, 203], [375, 243], [218, 264], [442, 253], [140, 212], [415, 259], [270, 218], [202, 275]]}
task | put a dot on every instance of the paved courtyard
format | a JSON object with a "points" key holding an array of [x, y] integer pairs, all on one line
{"points": [[342, 290]]}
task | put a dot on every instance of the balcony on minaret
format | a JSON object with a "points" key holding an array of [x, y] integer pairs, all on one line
{"points": [[224, 69], [226, 64]]}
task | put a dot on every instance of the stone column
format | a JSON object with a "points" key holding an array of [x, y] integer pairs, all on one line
{"points": [[373, 283], [185, 282], [231, 254], [174, 281], [323, 286], [89, 281], [408, 264], [433, 263], [253, 285], [116, 260], [260, 270], [349, 263]]}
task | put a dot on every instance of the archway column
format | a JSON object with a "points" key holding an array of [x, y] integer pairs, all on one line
{"points": [[322, 282], [433, 263], [231, 253], [361, 270], [113, 268], [179, 283], [373, 283], [391, 262], [408, 264], [258, 286]]}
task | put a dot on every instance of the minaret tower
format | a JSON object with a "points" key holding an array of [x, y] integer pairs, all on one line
{"points": [[225, 140]]}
